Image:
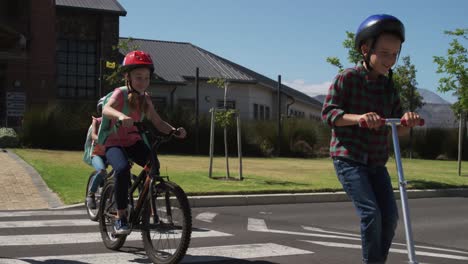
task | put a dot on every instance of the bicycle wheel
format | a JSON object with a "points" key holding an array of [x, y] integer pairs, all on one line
{"points": [[93, 213], [166, 224], [107, 218]]}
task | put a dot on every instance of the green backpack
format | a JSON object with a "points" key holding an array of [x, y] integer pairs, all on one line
{"points": [[105, 129]]}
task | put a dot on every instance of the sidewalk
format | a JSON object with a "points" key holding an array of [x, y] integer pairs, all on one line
{"points": [[22, 188]]}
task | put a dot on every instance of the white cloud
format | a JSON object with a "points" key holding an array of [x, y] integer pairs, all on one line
{"points": [[309, 88]]}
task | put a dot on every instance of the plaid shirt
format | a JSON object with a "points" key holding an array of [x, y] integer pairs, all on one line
{"points": [[353, 93]]}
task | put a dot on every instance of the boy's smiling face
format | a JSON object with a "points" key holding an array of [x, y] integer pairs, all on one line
{"points": [[384, 56]]}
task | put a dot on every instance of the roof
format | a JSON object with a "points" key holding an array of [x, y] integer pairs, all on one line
{"points": [[177, 61], [101, 6]]}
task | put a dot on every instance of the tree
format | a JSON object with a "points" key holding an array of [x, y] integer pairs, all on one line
{"points": [[124, 46], [454, 68], [353, 55], [225, 118], [405, 81]]}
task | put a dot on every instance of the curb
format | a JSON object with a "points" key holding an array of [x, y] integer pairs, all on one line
{"points": [[293, 198]]}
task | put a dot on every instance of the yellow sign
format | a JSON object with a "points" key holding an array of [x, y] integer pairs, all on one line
{"points": [[110, 65]]}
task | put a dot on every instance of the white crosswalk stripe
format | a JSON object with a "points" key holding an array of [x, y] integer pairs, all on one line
{"points": [[194, 255], [206, 217], [74, 219], [50, 223], [73, 238]]}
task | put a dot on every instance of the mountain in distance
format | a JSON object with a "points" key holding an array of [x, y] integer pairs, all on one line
{"points": [[436, 111]]}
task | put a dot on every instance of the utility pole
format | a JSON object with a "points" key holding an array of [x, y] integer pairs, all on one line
{"points": [[197, 109], [279, 116]]}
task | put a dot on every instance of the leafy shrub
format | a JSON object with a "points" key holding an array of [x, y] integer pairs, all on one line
{"points": [[59, 126], [8, 138]]}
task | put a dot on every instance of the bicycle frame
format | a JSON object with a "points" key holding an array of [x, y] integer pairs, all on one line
{"points": [[149, 174]]}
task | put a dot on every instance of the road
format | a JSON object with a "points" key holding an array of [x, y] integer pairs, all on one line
{"points": [[293, 233]]}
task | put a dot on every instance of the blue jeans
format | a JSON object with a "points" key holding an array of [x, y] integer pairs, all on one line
{"points": [[370, 189], [118, 157], [99, 165]]}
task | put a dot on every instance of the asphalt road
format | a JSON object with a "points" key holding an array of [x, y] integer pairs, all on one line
{"points": [[287, 233]]}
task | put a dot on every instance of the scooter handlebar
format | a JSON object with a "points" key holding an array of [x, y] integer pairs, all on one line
{"points": [[403, 122]]}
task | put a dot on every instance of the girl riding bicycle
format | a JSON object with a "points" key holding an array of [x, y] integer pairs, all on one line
{"points": [[126, 143]]}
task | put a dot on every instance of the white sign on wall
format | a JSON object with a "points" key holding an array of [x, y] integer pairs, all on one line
{"points": [[15, 104]]}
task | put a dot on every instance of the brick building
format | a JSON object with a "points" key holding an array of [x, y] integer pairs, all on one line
{"points": [[50, 50]]}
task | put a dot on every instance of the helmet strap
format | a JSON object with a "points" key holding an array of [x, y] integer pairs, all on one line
{"points": [[130, 87]]}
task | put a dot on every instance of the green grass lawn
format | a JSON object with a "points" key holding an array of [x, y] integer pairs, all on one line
{"points": [[66, 174]]}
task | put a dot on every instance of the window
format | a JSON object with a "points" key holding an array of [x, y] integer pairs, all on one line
{"points": [[230, 104], [261, 112], [76, 68], [255, 111]]}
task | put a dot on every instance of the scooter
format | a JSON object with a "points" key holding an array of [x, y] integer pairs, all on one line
{"points": [[393, 123]]}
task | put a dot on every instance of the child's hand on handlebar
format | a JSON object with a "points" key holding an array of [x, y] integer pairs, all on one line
{"points": [[371, 120], [125, 121], [411, 119], [180, 133]]}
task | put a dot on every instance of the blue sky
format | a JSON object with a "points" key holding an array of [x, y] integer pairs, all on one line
{"points": [[293, 38]]}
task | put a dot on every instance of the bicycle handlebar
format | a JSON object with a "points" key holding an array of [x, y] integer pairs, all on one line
{"points": [[390, 121]]}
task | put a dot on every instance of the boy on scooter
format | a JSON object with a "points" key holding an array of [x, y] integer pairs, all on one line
{"points": [[366, 92]]}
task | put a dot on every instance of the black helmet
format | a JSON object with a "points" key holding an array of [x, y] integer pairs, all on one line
{"points": [[375, 25]]}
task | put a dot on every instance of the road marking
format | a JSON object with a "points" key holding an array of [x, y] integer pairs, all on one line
{"points": [[259, 225], [40, 213], [394, 243], [435, 248], [47, 223], [394, 250], [92, 237], [206, 217], [194, 255], [316, 229]]}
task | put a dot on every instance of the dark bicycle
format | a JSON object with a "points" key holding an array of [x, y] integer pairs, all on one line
{"points": [[93, 213], [161, 210]]}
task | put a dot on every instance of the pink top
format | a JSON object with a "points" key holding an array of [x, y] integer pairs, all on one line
{"points": [[122, 137], [99, 149]]}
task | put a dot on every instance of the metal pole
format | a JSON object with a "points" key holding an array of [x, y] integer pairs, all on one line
{"points": [[100, 78], [239, 145], [197, 109], [226, 84], [212, 110], [460, 141], [403, 195], [279, 116], [411, 129]]}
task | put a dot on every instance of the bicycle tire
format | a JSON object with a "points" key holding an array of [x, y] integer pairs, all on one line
{"points": [[93, 214], [107, 218], [165, 225]]}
